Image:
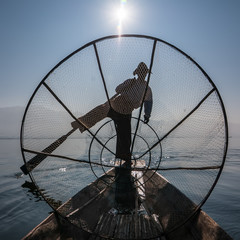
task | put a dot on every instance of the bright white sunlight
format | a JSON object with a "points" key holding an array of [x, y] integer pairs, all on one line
{"points": [[122, 14]]}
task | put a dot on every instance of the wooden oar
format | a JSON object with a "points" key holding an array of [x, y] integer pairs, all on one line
{"points": [[35, 161]]}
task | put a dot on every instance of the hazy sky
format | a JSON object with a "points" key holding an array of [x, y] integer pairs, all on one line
{"points": [[36, 35]]}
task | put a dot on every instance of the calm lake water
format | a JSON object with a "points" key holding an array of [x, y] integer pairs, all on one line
{"points": [[21, 211]]}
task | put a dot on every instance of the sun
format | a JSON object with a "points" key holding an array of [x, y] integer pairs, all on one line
{"points": [[122, 15]]}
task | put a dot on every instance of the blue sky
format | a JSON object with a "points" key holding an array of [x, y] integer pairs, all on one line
{"points": [[36, 35]]}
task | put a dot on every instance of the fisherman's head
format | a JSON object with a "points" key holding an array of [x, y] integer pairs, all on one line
{"points": [[141, 70]]}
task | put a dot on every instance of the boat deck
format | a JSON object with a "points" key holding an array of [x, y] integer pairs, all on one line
{"points": [[139, 226], [90, 215]]}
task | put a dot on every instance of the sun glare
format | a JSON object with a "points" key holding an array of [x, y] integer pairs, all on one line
{"points": [[121, 14]]}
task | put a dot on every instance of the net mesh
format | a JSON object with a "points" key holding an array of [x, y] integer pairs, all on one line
{"points": [[184, 142]]}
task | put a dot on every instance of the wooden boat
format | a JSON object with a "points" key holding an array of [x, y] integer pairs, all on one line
{"points": [[90, 214]]}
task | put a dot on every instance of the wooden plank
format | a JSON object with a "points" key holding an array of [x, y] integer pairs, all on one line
{"points": [[131, 227], [112, 226]]}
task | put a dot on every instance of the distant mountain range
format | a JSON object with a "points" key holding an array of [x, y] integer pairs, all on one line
{"points": [[10, 121], [11, 118]]}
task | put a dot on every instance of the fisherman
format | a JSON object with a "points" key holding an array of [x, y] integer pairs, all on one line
{"points": [[129, 96]]}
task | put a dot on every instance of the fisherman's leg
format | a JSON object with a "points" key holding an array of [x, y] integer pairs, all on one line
{"points": [[91, 118], [123, 129], [125, 191]]}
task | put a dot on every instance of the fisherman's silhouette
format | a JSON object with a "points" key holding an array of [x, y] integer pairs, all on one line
{"points": [[129, 96]]}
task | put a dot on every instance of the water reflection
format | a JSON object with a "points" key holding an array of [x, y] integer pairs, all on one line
{"points": [[33, 193]]}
